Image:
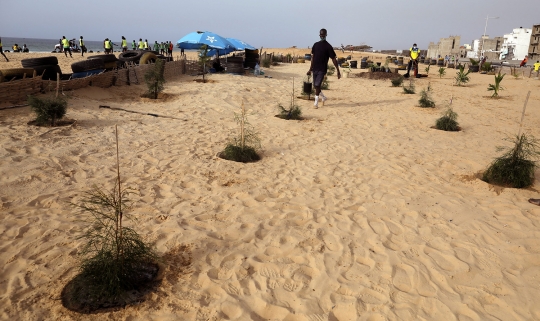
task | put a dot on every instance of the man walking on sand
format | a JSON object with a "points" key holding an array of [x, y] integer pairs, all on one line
{"points": [[536, 66], [2, 51], [67, 48], [320, 53], [82, 46], [414, 53], [124, 44]]}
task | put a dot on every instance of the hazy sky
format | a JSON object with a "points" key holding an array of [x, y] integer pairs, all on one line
{"points": [[386, 24]]}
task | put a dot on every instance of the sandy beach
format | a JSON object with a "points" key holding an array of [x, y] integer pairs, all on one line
{"points": [[361, 211]]}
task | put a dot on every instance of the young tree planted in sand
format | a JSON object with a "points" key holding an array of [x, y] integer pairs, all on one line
{"points": [[462, 77], [154, 78], [204, 60], [515, 168], [294, 111], [427, 69], [396, 82], [442, 72], [266, 63], [410, 90], [425, 100], [243, 148], [48, 110], [448, 121], [497, 86], [115, 259]]}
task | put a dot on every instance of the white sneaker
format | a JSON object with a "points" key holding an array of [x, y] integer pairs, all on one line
{"points": [[316, 104]]}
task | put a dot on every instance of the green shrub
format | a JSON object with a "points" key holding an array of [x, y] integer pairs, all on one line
{"points": [[266, 63], [425, 100], [410, 90], [243, 148], [154, 78], [114, 259], [204, 60], [474, 62], [442, 72], [486, 66], [448, 121], [462, 77], [396, 82], [495, 88], [294, 112], [427, 69], [48, 110], [515, 168], [330, 70]]}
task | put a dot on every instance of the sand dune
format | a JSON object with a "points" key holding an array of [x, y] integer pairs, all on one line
{"points": [[360, 212]]}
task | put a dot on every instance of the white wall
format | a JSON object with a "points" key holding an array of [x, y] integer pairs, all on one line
{"points": [[518, 41]]}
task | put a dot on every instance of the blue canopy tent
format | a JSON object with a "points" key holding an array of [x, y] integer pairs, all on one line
{"points": [[239, 44], [216, 44]]}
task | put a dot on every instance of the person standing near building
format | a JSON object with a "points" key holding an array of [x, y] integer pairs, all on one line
{"points": [[536, 66], [320, 53], [124, 44], [524, 62], [82, 46], [414, 52], [67, 48], [2, 51]]}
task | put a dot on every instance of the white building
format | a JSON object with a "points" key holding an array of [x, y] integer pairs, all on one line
{"points": [[516, 44]]}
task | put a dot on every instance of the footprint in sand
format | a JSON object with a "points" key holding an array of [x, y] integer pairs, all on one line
{"points": [[378, 226], [403, 278]]}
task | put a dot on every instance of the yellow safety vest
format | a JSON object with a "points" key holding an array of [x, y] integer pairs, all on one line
{"points": [[81, 42], [141, 45], [536, 65], [145, 45], [0, 44], [124, 43], [65, 42], [414, 53], [107, 44]]}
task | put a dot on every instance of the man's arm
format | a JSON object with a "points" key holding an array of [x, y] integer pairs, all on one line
{"points": [[337, 67]]}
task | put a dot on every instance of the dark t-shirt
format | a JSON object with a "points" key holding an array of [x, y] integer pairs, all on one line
{"points": [[321, 52]]}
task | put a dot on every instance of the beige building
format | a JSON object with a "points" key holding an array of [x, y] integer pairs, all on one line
{"points": [[534, 45], [446, 46]]}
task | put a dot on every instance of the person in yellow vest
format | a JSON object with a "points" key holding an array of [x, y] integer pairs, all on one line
{"points": [[82, 46], [124, 44], [141, 44], [536, 66], [414, 53], [145, 44], [2, 51], [67, 48], [108, 46]]}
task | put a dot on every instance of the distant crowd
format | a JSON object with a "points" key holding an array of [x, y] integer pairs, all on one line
{"points": [[68, 46]]}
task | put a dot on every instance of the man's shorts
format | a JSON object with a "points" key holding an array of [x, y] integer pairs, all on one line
{"points": [[318, 77]]}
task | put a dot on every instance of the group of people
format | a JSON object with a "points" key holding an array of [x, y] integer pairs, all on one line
{"points": [[17, 48]]}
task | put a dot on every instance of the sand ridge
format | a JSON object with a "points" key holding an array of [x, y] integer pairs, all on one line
{"points": [[360, 212]]}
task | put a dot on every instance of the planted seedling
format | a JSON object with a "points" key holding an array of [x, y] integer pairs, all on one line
{"points": [[116, 263], [462, 77], [410, 90], [442, 72], [243, 148], [154, 79], [425, 100], [448, 121], [396, 82], [516, 166], [294, 111], [497, 86], [48, 110], [204, 60]]}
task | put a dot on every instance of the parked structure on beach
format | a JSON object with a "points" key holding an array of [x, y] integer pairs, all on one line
{"points": [[516, 44]]}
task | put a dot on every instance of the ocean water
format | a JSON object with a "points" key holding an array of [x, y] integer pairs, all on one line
{"points": [[47, 45]]}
